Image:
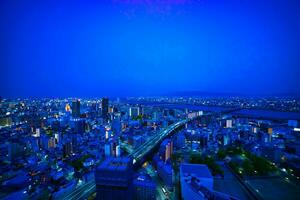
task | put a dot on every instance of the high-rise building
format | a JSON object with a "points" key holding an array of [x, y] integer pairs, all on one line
{"points": [[67, 148], [14, 149], [180, 140], [108, 132], [228, 123], [112, 148], [134, 111], [118, 151], [114, 179], [75, 142], [51, 142], [166, 149], [116, 125], [76, 108], [107, 149], [78, 126], [104, 107], [144, 188]]}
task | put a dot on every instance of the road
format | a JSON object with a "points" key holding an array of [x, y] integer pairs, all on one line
{"points": [[81, 192]]}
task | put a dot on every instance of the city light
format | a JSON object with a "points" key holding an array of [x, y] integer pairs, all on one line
{"points": [[149, 100]]}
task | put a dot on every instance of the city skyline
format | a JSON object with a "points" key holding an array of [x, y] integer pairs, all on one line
{"points": [[149, 48], [150, 148], [150, 100]]}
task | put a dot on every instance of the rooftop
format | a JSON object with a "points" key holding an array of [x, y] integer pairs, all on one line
{"points": [[198, 170], [119, 164]]}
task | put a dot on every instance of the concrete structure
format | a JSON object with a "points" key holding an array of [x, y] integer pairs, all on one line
{"points": [[166, 149], [107, 149], [199, 170], [114, 179], [197, 183], [76, 108], [104, 108], [144, 188], [134, 111]]}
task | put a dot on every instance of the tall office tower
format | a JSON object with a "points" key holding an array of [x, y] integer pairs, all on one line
{"points": [[166, 149], [75, 142], [14, 149], [78, 126], [114, 179], [229, 123], [142, 110], [144, 188], [107, 149], [134, 111], [116, 125], [118, 151], [169, 150], [67, 148], [76, 108], [104, 106]]}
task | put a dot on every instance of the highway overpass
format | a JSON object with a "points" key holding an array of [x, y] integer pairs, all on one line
{"points": [[139, 153]]}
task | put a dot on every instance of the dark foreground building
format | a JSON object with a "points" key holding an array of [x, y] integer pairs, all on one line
{"points": [[144, 188], [114, 179]]}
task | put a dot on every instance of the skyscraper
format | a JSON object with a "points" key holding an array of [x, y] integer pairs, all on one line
{"points": [[104, 106], [116, 125], [144, 188], [76, 108], [134, 111], [114, 179], [166, 149], [107, 149]]}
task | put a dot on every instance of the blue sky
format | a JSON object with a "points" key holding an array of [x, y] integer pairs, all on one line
{"points": [[139, 47]]}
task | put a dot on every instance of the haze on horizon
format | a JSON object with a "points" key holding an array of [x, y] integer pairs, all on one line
{"points": [[139, 47]]}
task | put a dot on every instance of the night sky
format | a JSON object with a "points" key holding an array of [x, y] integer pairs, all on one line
{"points": [[149, 47]]}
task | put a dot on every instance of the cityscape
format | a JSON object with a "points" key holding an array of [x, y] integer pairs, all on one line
{"points": [[150, 100]]}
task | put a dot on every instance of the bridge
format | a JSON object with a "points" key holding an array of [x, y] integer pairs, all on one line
{"points": [[139, 153]]}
